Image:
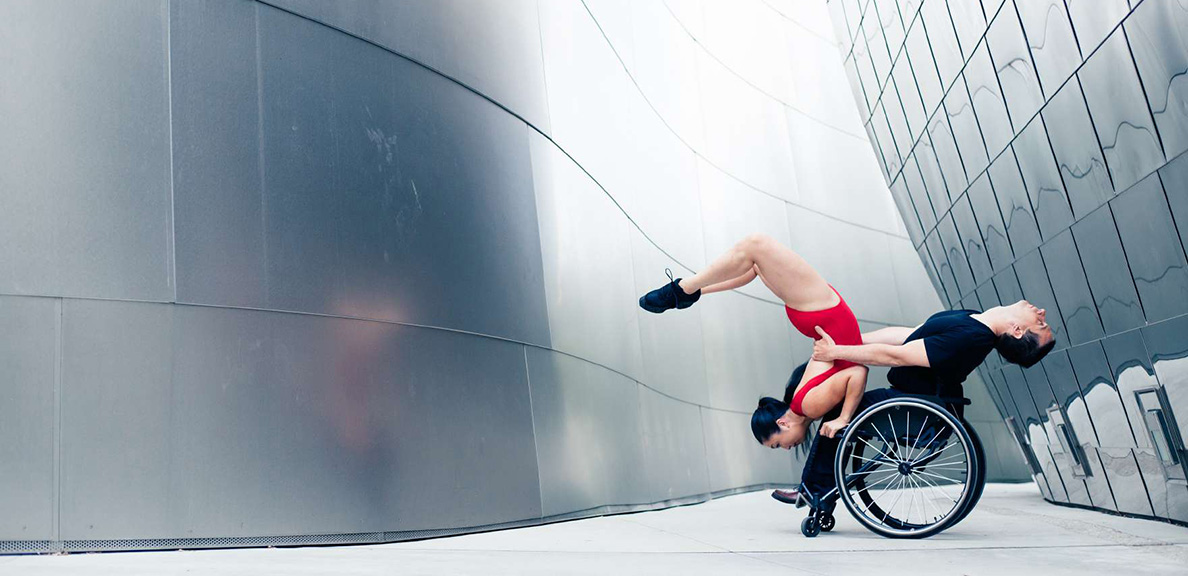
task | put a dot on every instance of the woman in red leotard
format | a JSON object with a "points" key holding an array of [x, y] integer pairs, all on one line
{"points": [[810, 302]]}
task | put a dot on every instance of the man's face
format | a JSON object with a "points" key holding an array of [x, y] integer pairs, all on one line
{"points": [[1030, 318], [789, 436]]}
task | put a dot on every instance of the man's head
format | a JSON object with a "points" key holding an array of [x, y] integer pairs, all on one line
{"points": [[1028, 338]]}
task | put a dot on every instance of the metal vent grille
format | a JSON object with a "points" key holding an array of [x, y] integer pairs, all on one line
{"points": [[24, 546], [227, 542]]}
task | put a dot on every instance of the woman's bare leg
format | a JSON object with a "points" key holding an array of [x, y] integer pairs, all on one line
{"points": [[784, 272], [732, 283]]}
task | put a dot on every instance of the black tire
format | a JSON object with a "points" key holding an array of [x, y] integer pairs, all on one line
{"points": [[979, 477], [891, 450], [827, 522], [810, 527]]}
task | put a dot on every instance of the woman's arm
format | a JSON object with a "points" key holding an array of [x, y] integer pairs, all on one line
{"points": [[855, 387]]}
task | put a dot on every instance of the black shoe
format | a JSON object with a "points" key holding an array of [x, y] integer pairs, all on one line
{"points": [[668, 296], [792, 496]]}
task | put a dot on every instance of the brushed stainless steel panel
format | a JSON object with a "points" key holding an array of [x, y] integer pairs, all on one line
{"points": [[1094, 19], [1101, 491], [1078, 156], [1106, 269], [948, 160], [672, 345], [1167, 345], [588, 434], [750, 350], [970, 23], [493, 47], [912, 181], [943, 39], [673, 447], [293, 424], [1155, 254], [982, 78], [990, 223], [971, 237], [84, 164], [117, 421], [585, 246], [1126, 481], [1175, 184], [1051, 40], [924, 66], [372, 211], [1042, 179], [29, 358], [958, 260], [1160, 47], [1012, 62], [735, 459], [1071, 289], [1014, 203], [218, 198], [1120, 115], [960, 112], [1093, 375], [892, 156], [1131, 370]]}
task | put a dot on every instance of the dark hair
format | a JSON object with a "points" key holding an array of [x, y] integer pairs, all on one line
{"points": [[763, 421], [793, 381], [1024, 350]]}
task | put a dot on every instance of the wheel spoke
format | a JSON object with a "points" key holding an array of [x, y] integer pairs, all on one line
{"points": [[881, 453], [918, 435], [947, 446], [885, 442], [938, 489]]}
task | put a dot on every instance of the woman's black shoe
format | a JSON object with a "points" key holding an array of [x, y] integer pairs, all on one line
{"points": [[668, 296]]}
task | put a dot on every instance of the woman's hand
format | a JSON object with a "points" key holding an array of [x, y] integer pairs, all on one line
{"points": [[824, 350], [832, 427]]}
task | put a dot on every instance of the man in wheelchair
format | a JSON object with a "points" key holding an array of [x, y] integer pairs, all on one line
{"points": [[932, 359]]}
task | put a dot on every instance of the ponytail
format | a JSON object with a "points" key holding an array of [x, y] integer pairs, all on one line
{"points": [[763, 421]]}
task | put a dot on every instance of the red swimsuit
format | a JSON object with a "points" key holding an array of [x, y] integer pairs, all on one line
{"points": [[841, 325]]}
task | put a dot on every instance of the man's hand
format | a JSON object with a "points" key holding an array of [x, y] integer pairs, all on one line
{"points": [[832, 427], [824, 349]]}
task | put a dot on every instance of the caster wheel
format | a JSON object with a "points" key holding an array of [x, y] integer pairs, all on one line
{"points": [[810, 527], [827, 522]]}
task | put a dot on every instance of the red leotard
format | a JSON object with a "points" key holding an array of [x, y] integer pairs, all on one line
{"points": [[841, 325]]}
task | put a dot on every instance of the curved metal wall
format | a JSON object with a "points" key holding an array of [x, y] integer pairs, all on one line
{"points": [[305, 272], [1037, 150]]}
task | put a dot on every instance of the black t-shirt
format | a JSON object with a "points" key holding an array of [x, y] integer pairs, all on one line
{"points": [[956, 344]]}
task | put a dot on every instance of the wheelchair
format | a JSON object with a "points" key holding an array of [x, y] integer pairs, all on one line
{"points": [[906, 467]]}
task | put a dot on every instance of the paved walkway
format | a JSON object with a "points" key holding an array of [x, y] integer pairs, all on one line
{"points": [[1011, 532]]}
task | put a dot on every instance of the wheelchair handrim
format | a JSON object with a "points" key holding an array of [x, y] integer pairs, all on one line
{"points": [[857, 493]]}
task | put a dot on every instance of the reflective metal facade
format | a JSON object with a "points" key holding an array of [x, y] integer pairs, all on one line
{"points": [[308, 272], [1037, 150]]}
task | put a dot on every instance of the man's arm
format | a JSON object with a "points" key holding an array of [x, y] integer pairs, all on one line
{"points": [[910, 354], [889, 335]]}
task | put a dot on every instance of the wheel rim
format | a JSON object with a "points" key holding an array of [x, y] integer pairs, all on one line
{"points": [[908, 468]]}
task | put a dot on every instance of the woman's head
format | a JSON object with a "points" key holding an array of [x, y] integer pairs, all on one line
{"points": [[775, 426]]}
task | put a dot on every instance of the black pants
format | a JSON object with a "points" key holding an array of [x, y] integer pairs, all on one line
{"points": [[818, 474]]}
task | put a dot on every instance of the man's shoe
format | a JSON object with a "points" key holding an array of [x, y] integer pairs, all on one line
{"points": [[668, 296], [792, 496]]}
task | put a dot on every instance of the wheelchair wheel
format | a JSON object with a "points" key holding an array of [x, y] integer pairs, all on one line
{"points": [[907, 468], [827, 522], [979, 477], [810, 526]]}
